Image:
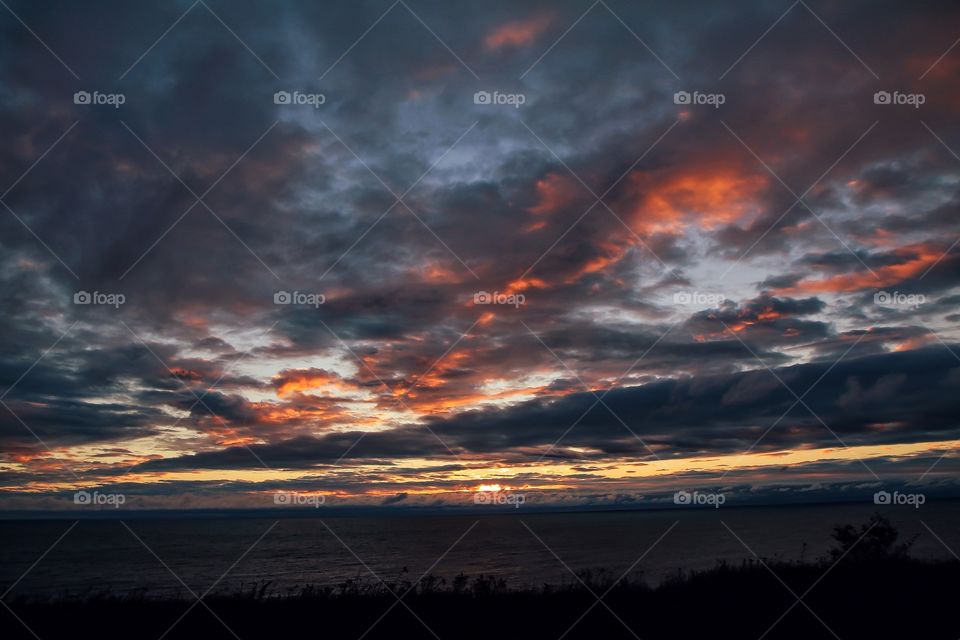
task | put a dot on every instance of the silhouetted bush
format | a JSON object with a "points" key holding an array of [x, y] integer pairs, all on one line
{"points": [[868, 587]]}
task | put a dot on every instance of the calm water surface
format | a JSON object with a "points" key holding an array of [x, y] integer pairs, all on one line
{"points": [[523, 548]]}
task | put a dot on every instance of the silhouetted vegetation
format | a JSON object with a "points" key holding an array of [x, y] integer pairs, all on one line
{"points": [[876, 539], [868, 586]]}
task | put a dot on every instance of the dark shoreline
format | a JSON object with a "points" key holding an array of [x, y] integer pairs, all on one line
{"points": [[866, 586], [388, 511], [855, 597]]}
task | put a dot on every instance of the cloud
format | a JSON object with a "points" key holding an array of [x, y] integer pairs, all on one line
{"points": [[517, 33], [598, 200]]}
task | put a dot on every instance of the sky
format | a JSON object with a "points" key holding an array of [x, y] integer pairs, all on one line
{"points": [[393, 254]]}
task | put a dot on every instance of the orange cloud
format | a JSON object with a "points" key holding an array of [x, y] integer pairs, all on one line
{"points": [[26, 456], [755, 314], [915, 342], [877, 238], [705, 198], [522, 284], [436, 273], [293, 381], [610, 254], [916, 259], [554, 192], [517, 33]]}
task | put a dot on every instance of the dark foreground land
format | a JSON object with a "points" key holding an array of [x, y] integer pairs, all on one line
{"points": [[868, 587]]}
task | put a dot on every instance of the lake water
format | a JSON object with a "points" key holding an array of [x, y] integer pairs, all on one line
{"points": [[524, 548]]}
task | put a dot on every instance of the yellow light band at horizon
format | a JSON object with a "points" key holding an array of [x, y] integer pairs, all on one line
{"points": [[480, 471]]}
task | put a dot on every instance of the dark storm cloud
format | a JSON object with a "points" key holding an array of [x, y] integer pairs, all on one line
{"points": [[205, 115], [291, 207], [65, 422], [890, 398], [766, 320]]}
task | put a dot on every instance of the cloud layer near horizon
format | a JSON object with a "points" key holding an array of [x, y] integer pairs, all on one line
{"points": [[680, 282]]}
